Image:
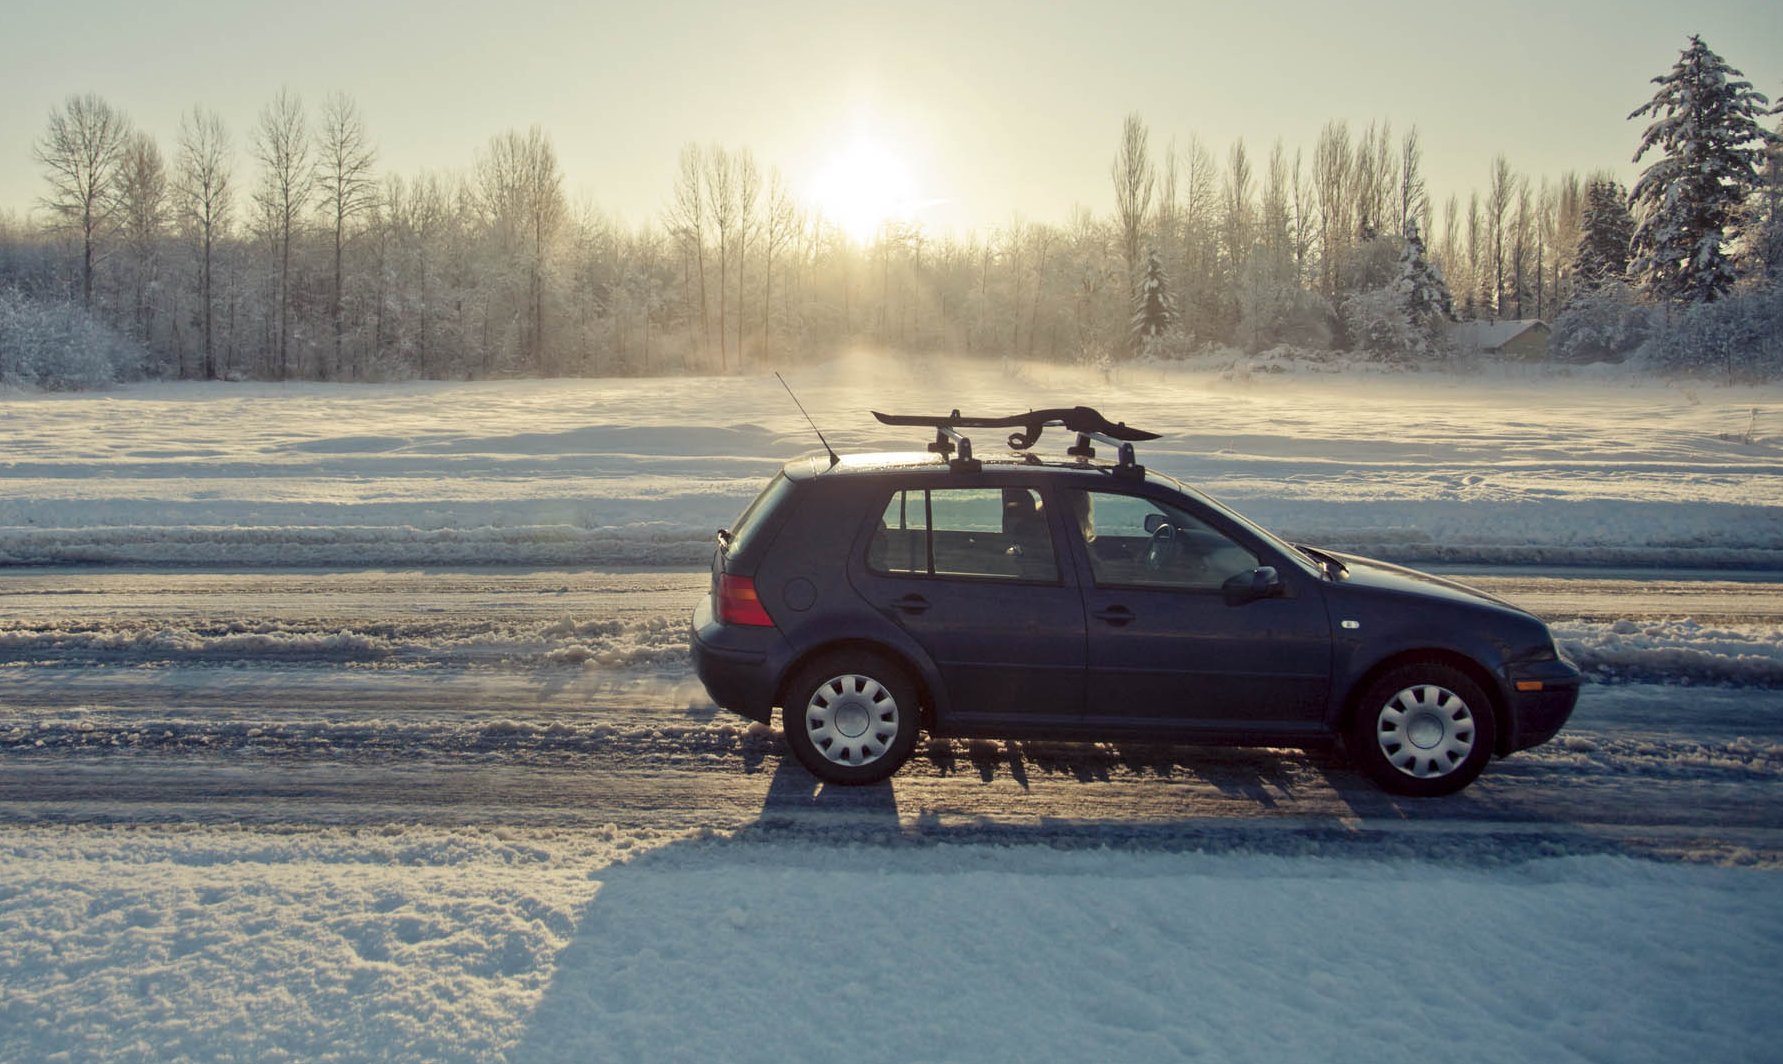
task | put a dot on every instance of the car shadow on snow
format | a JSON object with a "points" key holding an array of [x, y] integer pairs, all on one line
{"points": [[1265, 777], [714, 944]]}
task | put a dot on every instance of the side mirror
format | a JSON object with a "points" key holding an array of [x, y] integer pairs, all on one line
{"points": [[1260, 583], [1153, 522]]}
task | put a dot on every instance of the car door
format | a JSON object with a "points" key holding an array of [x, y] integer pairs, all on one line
{"points": [[977, 576], [1163, 646]]}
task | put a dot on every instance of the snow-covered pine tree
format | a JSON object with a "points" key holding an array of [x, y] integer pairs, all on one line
{"points": [[1706, 122], [1153, 309], [1422, 289], [1604, 236], [1761, 233], [1402, 320]]}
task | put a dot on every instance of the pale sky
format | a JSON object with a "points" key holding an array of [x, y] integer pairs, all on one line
{"points": [[995, 108]]}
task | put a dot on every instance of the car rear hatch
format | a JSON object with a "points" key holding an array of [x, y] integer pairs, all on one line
{"points": [[739, 553]]}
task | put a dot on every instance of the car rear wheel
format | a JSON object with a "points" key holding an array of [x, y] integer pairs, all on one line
{"points": [[1422, 730], [851, 717]]}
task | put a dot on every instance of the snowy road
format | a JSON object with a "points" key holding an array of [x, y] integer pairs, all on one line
{"points": [[559, 698]]}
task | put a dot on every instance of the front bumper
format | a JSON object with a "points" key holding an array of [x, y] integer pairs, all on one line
{"points": [[1538, 715], [740, 665]]}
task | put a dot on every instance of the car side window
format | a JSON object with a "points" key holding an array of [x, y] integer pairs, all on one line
{"points": [[901, 544], [1000, 533], [1138, 542]]}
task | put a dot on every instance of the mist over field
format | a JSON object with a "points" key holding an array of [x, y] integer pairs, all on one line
{"points": [[1517, 466]]}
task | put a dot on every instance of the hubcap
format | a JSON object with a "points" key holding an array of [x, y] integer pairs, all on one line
{"points": [[852, 719], [1425, 731]]}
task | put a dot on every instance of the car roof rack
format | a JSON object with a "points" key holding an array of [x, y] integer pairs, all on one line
{"points": [[1089, 425]]}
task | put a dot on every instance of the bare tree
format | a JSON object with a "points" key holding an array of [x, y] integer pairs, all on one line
{"points": [[1268, 276], [519, 191], [646, 250], [345, 188], [1569, 222], [687, 218], [1448, 250], [721, 201], [1134, 181], [287, 180], [419, 215], [1333, 164], [1169, 219], [205, 201], [1040, 237], [782, 223], [1476, 258], [142, 196], [1236, 221], [1304, 225], [82, 153], [1412, 200], [1521, 239], [1544, 240], [1501, 197], [1275, 216], [1198, 282], [748, 196], [1372, 180]]}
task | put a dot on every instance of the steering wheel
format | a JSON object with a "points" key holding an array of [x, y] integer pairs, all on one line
{"points": [[1163, 550]]}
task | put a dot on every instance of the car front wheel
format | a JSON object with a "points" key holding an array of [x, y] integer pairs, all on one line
{"points": [[1422, 730], [851, 718]]}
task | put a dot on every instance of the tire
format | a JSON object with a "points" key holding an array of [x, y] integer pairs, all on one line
{"points": [[851, 717], [1422, 730]]}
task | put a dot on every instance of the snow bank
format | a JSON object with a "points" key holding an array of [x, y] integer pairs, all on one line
{"points": [[1675, 651], [1590, 469], [654, 543], [404, 943], [405, 642]]}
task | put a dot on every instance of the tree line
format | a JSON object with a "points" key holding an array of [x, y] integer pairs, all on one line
{"points": [[304, 261]]}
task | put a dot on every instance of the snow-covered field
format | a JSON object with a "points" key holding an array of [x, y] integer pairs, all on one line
{"points": [[1513, 466], [385, 810]]}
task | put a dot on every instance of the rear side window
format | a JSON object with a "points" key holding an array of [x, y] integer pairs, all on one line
{"points": [[999, 533], [755, 518]]}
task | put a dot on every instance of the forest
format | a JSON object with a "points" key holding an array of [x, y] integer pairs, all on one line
{"points": [[284, 252]]}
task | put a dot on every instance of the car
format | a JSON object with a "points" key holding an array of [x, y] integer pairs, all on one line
{"points": [[875, 596]]}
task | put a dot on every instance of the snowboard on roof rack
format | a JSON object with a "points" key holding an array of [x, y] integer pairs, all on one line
{"points": [[1079, 419]]}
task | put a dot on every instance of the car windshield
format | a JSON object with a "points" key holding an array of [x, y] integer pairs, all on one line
{"points": [[1301, 558]]}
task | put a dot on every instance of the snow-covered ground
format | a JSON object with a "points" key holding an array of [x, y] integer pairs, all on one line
{"points": [[251, 811], [487, 815], [405, 943], [1513, 466]]}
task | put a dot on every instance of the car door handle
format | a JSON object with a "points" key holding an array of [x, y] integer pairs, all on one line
{"points": [[1115, 615], [911, 604]]}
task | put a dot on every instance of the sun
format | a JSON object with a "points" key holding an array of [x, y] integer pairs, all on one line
{"points": [[863, 186]]}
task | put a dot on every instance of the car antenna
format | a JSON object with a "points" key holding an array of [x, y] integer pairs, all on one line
{"points": [[795, 401]]}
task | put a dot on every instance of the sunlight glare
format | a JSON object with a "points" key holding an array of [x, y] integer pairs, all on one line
{"points": [[863, 186]]}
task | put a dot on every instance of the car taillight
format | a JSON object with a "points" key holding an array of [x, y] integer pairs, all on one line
{"points": [[739, 604]]}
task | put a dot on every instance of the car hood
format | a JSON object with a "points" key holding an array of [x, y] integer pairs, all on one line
{"points": [[1385, 576]]}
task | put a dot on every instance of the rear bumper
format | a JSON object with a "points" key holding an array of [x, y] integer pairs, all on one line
{"points": [[1540, 714], [740, 666]]}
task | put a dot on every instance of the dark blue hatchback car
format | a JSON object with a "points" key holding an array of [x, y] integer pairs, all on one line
{"points": [[874, 596]]}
